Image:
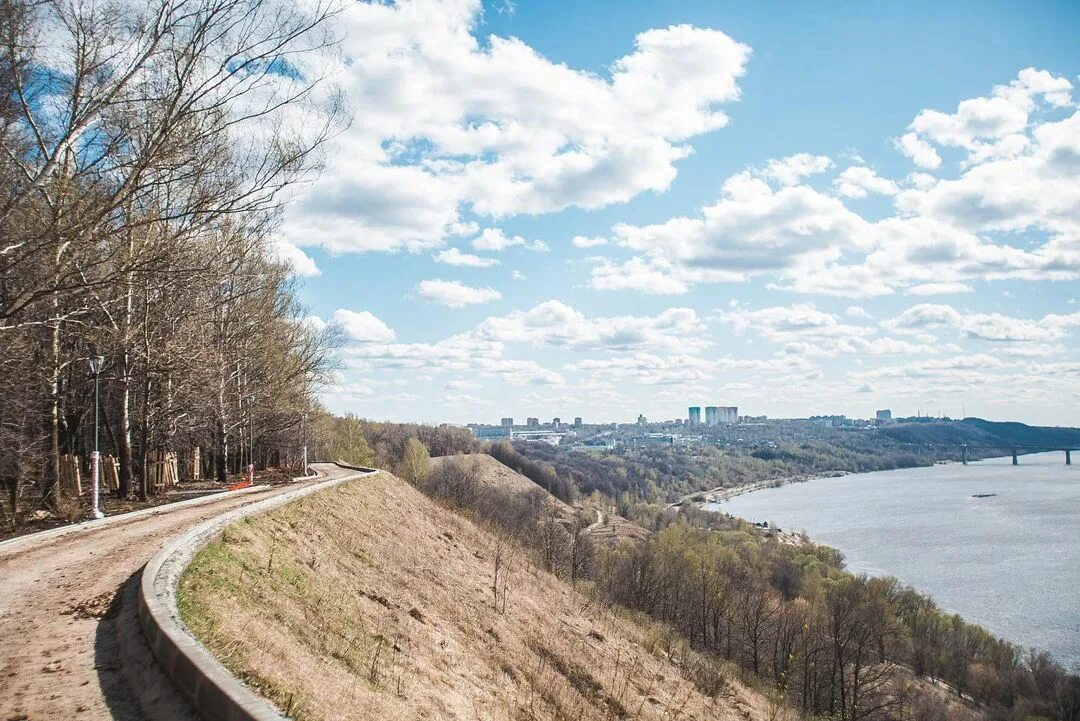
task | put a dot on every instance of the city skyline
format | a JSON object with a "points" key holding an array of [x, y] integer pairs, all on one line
{"points": [[553, 208]]}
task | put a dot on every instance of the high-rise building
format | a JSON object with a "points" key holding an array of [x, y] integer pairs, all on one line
{"points": [[556, 422], [532, 422], [509, 422], [728, 414], [695, 416], [884, 416], [641, 420], [712, 416], [577, 422]]}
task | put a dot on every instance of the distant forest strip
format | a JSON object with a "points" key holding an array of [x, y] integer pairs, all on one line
{"points": [[830, 643]]}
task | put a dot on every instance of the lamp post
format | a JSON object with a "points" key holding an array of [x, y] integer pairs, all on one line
{"points": [[97, 364], [251, 434], [304, 433]]}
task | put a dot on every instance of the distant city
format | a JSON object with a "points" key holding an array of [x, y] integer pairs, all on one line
{"points": [[720, 424]]}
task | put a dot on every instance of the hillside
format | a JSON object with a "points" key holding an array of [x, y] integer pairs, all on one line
{"points": [[372, 601], [979, 432], [607, 527]]}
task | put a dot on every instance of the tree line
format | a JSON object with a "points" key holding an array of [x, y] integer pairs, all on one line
{"points": [[148, 149], [834, 644]]}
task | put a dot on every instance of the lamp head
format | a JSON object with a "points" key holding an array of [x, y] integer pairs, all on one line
{"points": [[97, 363]]}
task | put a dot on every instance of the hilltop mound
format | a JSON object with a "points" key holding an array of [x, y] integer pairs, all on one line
{"points": [[979, 432], [372, 601], [606, 527]]}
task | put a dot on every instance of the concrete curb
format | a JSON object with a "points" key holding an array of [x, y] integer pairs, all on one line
{"points": [[211, 688]]}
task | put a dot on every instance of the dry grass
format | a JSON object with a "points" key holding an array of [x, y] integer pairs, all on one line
{"points": [[370, 601], [609, 528]]}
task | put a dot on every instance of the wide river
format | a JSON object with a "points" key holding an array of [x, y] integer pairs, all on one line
{"points": [[1010, 562]]}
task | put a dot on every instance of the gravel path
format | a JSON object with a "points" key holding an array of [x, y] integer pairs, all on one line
{"points": [[68, 651]]}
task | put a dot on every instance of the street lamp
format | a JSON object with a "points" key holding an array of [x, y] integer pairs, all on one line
{"points": [[251, 434], [304, 433], [97, 364]]}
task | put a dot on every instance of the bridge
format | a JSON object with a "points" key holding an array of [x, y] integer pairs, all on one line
{"points": [[1015, 450]]}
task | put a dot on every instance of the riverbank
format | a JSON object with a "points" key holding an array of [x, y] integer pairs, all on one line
{"points": [[970, 536], [726, 493]]}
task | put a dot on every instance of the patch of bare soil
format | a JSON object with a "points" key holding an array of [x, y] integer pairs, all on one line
{"points": [[370, 601]]}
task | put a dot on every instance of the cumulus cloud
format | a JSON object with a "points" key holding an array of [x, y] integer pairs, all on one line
{"points": [[803, 330], [792, 169], [581, 241], [453, 256], [554, 323], [858, 181], [363, 327], [986, 127], [298, 261], [984, 326], [944, 235], [494, 239], [453, 122], [454, 294]]}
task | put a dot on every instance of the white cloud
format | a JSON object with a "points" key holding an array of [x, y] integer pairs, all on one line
{"points": [[939, 289], [453, 122], [581, 241], [752, 229], [453, 294], [920, 151], [984, 326], [857, 311], [453, 256], [858, 181], [553, 323], [986, 127], [494, 239], [363, 327], [301, 264], [792, 169], [803, 330]]}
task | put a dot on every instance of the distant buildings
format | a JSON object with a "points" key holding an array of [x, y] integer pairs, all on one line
{"points": [[577, 422], [507, 422], [884, 415], [641, 420], [714, 415], [532, 422]]}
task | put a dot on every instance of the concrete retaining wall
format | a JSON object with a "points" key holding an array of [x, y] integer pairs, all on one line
{"points": [[211, 688]]}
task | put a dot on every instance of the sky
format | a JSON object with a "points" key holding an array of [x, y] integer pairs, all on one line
{"points": [[610, 208]]}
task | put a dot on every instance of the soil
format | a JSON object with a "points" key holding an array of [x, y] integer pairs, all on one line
{"points": [[60, 618]]}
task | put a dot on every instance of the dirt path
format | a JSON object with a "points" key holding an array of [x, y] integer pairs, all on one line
{"points": [[60, 615]]}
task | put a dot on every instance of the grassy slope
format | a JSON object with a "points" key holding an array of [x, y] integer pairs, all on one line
{"points": [[370, 601], [609, 528]]}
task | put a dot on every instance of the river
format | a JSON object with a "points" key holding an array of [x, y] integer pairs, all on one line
{"points": [[1010, 561]]}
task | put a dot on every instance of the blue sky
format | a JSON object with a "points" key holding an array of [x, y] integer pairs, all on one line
{"points": [[600, 209]]}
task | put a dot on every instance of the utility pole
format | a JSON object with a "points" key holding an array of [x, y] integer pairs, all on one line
{"points": [[97, 364]]}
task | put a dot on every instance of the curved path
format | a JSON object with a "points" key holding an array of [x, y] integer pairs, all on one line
{"points": [[69, 641]]}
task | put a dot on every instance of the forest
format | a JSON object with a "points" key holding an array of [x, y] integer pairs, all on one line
{"points": [[144, 312]]}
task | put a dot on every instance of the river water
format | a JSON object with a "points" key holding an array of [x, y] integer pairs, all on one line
{"points": [[1010, 562]]}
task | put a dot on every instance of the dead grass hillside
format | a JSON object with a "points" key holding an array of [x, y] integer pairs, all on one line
{"points": [[607, 527], [370, 601]]}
